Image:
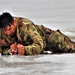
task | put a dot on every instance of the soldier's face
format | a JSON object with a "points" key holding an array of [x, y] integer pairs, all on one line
{"points": [[10, 29]]}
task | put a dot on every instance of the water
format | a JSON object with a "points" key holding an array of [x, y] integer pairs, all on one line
{"points": [[55, 14]]}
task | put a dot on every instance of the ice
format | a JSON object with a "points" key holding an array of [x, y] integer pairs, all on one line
{"points": [[38, 64], [55, 14]]}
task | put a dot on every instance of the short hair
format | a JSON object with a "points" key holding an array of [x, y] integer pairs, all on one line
{"points": [[5, 20]]}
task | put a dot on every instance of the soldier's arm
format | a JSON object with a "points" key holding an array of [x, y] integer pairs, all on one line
{"points": [[37, 46], [4, 50]]}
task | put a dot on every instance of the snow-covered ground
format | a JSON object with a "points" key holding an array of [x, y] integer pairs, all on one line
{"points": [[57, 64]]}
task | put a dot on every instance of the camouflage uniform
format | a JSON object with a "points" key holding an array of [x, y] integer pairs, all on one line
{"points": [[36, 39], [25, 34], [56, 41]]}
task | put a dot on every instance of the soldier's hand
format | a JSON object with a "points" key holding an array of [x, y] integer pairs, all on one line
{"points": [[13, 47], [20, 49]]}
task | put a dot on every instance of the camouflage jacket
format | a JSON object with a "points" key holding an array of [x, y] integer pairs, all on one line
{"points": [[26, 34]]}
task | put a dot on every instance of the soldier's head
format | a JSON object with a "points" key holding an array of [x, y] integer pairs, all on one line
{"points": [[7, 23]]}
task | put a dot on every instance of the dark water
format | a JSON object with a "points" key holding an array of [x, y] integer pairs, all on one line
{"points": [[55, 14]]}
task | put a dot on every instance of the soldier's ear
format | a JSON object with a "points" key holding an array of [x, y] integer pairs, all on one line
{"points": [[15, 22]]}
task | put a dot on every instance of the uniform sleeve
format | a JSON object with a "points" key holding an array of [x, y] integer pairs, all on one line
{"points": [[37, 46], [3, 51]]}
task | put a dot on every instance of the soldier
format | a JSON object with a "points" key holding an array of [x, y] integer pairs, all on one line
{"points": [[21, 36]]}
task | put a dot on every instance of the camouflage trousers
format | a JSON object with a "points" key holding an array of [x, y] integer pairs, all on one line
{"points": [[56, 41]]}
